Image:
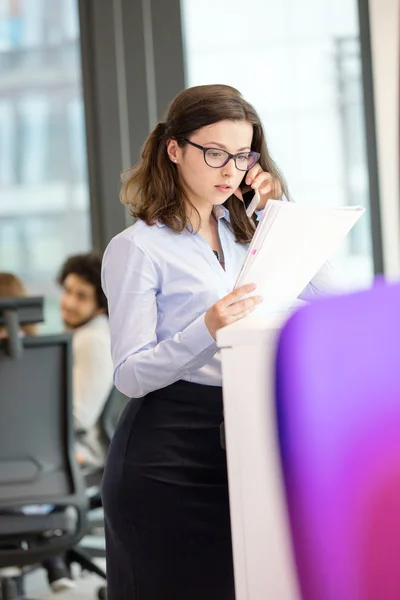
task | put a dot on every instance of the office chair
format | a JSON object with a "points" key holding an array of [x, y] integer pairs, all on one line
{"points": [[107, 423], [90, 547], [113, 408], [338, 406], [42, 499]]}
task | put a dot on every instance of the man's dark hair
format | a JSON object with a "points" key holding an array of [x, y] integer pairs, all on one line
{"points": [[88, 267]]}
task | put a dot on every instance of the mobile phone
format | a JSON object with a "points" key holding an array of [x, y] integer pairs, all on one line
{"points": [[251, 201]]}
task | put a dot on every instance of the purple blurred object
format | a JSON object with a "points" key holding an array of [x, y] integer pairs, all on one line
{"points": [[338, 404]]}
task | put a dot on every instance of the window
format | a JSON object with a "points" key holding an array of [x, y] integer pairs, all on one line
{"points": [[299, 64], [44, 207]]}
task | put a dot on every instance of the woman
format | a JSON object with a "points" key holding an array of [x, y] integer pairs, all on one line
{"points": [[12, 287], [168, 280]]}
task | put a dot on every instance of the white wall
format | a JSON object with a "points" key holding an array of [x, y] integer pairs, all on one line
{"points": [[385, 25]]}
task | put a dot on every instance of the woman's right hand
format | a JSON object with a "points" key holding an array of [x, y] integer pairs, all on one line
{"points": [[231, 308]]}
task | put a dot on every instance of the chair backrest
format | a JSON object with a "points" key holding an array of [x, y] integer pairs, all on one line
{"points": [[40, 483], [112, 410], [338, 405]]}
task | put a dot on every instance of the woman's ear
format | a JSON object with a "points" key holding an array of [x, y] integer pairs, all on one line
{"points": [[173, 150]]}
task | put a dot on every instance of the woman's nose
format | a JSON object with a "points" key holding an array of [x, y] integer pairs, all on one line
{"points": [[229, 169]]}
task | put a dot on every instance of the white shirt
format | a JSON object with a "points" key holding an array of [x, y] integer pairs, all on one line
{"points": [[92, 384], [159, 285]]}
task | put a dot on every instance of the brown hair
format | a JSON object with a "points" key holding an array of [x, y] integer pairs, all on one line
{"points": [[88, 267], [12, 287], [153, 189]]}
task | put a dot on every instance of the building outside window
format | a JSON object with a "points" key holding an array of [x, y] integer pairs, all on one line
{"points": [[44, 197]]}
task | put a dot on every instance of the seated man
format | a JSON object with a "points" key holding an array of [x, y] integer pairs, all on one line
{"points": [[84, 312]]}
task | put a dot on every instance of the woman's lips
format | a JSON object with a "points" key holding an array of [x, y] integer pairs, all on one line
{"points": [[223, 188]]}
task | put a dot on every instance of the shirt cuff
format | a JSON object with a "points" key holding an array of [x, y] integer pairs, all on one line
{"points": [[197, 338]]}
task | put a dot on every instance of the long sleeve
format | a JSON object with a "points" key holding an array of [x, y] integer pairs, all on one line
{"points": [[324, 283], [142, 363], [92, 376]]}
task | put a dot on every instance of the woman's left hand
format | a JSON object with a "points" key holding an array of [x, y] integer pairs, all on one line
{"points": [[269, 187]]}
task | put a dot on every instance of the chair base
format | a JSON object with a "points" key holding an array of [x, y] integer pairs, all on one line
{"points": [[102, 593], [11, 589], [82, 558]]}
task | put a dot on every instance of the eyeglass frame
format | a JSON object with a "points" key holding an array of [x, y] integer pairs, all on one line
{"points": [[234, 156]]}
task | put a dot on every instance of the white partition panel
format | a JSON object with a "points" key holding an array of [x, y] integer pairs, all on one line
{"points": [[263, 559]]}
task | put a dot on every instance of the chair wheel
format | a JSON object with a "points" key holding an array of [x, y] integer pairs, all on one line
{"points": [[9, 589], [102, 593]]}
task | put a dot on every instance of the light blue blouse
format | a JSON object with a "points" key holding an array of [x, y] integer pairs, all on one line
{"points": [[159, 285]]}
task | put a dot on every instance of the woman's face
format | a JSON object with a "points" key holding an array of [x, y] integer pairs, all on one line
{"points": [[204, 184]]}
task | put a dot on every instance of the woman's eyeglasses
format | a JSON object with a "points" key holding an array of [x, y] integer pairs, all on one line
{"points": [[217, 158]]}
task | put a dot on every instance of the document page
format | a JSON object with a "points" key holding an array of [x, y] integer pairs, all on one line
{"points": [[290, 245]]}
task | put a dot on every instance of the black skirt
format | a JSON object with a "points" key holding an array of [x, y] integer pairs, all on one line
{"points": [[165, 498]]}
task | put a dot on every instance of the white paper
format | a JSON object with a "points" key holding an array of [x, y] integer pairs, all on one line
{"points": [[290, 245]]}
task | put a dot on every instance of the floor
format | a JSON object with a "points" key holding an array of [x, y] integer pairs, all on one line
{"points": [[87, 586]]}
